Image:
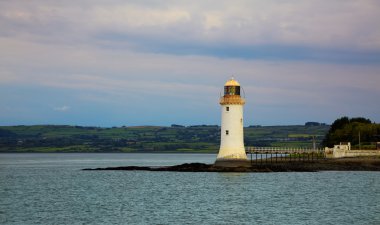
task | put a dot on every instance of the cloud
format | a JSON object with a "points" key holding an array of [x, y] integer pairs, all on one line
{"points": [[62, 108], [313, 30], [171, 58], [130, 16]]}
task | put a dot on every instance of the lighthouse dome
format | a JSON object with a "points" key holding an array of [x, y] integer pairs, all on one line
{"points": [[232, 82]]}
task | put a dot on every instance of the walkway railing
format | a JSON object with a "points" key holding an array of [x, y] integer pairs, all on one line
{"points": [[282, 154], [282, 150]]}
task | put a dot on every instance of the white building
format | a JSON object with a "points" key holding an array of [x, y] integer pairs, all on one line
{"points": [[232, 151], [344, 150]]}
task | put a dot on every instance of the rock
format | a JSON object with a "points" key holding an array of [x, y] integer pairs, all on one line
{"points": [[343, 164]]}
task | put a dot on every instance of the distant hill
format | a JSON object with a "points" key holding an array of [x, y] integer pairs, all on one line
{"points": [[177, 138]]}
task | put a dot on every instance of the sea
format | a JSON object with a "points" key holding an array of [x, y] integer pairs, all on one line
{"points": [[52, 188]]}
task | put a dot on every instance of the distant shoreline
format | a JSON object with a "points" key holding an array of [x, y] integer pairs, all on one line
{"points": [[190, 139]]}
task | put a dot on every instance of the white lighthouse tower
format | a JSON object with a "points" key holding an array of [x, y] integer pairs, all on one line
{"points": [[232, 151]]}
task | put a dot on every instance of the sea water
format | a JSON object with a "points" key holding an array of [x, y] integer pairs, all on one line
{"points": [[53, 189]]}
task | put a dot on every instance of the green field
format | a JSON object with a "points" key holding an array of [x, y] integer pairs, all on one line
{"points": [[201, 139]]}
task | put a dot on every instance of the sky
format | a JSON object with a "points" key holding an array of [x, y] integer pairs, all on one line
{"points": [[141, 62]]}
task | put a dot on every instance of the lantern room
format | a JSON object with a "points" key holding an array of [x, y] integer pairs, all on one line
{"points": [[232, 87]]}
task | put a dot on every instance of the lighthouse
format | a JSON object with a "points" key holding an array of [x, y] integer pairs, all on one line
{"points": [[232, 151]]}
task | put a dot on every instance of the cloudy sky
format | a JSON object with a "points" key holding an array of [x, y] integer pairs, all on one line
{"points": [[116, 62]]}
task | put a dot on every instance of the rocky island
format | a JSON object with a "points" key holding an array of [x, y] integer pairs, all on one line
{"points": [[341, 164]]}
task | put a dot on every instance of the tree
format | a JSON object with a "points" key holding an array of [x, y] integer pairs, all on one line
{"points": [[349, 130]]}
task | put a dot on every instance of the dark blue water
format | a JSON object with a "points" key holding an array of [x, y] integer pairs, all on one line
{"points": [[52, 189]]}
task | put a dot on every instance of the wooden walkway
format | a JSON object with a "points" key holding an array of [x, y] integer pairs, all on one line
{"points": [[282, 154]]}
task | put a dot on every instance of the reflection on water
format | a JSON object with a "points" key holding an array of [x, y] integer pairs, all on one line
{"points": [[233, 175]]}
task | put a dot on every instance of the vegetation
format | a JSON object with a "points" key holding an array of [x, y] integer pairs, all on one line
{"points": [[353, 130], [177, 138]]}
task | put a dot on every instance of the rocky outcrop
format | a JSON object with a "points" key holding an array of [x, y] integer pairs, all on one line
{"points": [[343, 164]]}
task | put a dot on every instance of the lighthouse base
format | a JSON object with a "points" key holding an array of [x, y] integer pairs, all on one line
{"points": [[232, 163]]}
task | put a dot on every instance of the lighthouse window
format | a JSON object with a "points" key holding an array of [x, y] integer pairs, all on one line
{"points": [[227, 132], [227, 108], [232, 90]]}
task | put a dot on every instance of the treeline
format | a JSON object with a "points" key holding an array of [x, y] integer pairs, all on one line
{"points": [[176, 138], [355, 130], [95, 139]]}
